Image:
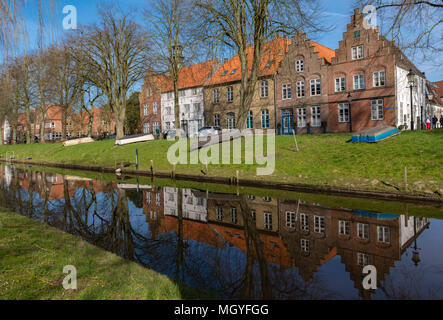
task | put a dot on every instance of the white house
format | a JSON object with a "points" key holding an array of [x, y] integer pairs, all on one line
{"points": [[403, 97], [191, 98]]}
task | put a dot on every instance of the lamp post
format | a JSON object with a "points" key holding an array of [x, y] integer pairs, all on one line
{"points": [[349, 97], [411, 81]]}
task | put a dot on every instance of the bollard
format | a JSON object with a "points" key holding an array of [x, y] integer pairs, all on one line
{"points": [[405, 179], [136, 159], [152, 167], [173, 172]]}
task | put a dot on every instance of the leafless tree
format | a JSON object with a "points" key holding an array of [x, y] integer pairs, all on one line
{"points": [[114, 55], [239, 23], [414, 25], [171, 24]]}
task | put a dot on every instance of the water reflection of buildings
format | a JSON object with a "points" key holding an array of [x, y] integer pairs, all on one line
{"points": [[296, 233], [290, 233]]}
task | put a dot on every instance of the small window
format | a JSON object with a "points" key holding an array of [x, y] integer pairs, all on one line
{"points": [[268, 220], [155, 108], [362, 259], [344, 228], [343, 112], [357, 52], [233, 212], [250, 120], [265, 119], [291, 218], [315, 116], [300, 85], [216, 95], [286, 91], [299, 65], [304, 222], [225, 73], [315, 87], [359, 81], [301, 117], [264, 90], [319, 224], [219, 213], [356, 34], [383, 234], [216, 120], [377, 109], [363, 231], [304, 243], [379, 79], [233, 71], [230, 94], [230, 120], [340, 84]]}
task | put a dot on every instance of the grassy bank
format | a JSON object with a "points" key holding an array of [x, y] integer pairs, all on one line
{"points": [[32, 257], [322, 160]]}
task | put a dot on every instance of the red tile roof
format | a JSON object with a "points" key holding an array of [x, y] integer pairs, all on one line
{"points": [[323, 52], [439, 85], [195, 75], [273, 53]]}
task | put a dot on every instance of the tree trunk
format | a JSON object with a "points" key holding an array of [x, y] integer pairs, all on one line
{"points": [[42, 127], [120, 124], [64, 111], [28, 125]]}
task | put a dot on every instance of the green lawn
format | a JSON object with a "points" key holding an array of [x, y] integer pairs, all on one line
{"points": [[323, 159], [32, 257]]}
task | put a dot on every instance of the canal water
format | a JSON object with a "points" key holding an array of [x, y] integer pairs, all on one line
{"points": [[246, 243]]}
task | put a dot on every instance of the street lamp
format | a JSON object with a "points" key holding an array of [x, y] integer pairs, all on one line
{"points": [[349, 97], [411, 83]]}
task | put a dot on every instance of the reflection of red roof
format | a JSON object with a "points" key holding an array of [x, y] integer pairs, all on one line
{"points": [[273, 53], [198, 231], [195, 75], [274, 249]]}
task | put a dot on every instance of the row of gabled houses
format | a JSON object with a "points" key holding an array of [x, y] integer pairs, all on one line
{"points": [[77, 124], [302, 86]]}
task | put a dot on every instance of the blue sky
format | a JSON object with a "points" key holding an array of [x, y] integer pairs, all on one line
{"points": [[337, 14]]}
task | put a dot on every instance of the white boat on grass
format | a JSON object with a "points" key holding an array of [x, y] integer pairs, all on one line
{"points": [[134, 138]]}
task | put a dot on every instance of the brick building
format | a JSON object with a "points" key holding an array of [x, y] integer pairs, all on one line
{"points": [[368, 82], [301, 88], [222, 93], [150, 102]]}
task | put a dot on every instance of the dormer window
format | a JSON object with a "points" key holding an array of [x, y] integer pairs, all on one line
{"points": [[357, 52], [299, 65], [225, 73], [233, 71]]}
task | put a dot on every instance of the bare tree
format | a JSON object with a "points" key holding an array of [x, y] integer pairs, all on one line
{"points": [[239, 23], [114, 56], [171, 24], [414, 25]]}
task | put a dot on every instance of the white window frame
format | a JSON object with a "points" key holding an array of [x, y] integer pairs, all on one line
{"points": [[359, 81], [267, 220], [363, 231], [300, 88], [299, 65], [304, 222], [155, 108], [233, 214], [146, 127], [362, 259], [230, 93], [250, 120], [315, 87], [145, 109], [230, 120], [344, 227], [343, 112], [358, 52], [319, 224], [315, 116], [286, 91], [217, 120], [216, 96], [219, 212], [377, 109], [304, 245], [383, 234], [340, 84], [379, 79], [291, 219], [301, 117], [264, 89]]}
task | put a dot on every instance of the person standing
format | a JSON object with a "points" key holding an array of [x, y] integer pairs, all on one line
{"points": [[441, 121], [434, 122], [428, 123]]}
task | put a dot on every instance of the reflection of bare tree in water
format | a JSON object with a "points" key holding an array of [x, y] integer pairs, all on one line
{"points": [[411, 287]]}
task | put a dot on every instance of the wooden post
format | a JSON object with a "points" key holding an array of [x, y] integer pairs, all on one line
{"points": [[405, 179], [136, 159], [236, 181], [406, 214], [152, 167], [173, 171], [295, 139], [207, 168]]}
